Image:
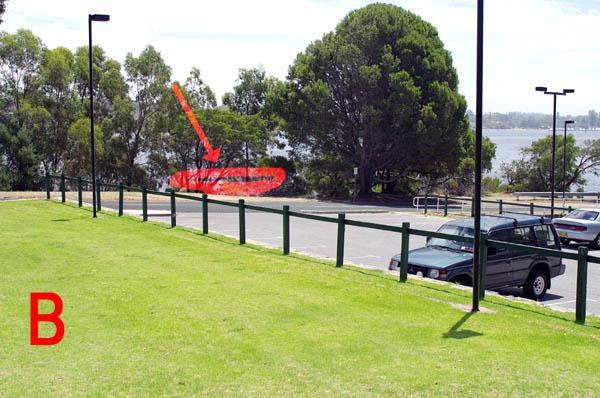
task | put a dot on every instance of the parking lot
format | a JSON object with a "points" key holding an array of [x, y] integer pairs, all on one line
{"points": [[364, 247]]}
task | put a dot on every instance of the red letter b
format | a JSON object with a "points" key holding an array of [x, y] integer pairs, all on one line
{"points": [[53, 317]]}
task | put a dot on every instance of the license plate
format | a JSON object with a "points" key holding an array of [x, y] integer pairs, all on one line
{"points": [[562, 234]]}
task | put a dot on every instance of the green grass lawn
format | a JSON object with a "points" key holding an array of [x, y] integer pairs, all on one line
{"points": [[154, 311]]}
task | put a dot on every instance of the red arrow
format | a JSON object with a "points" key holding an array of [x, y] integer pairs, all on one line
{"points": [[212, 155]]}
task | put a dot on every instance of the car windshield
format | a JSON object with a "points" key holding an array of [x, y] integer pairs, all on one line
{"points": [[453, 244], [583, 215]]}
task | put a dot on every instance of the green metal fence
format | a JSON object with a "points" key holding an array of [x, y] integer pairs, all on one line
{"points": [[582, 257]]}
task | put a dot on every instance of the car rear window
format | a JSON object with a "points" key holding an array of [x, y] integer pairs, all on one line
{"points": [[583, 215], [544, 236]]}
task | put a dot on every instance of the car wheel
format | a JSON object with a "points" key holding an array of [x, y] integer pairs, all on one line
{"points": [[536, 285], [565, 241], [596, 243]]}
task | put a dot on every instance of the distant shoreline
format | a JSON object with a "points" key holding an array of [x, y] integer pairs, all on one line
{"points": [[570, 130]]}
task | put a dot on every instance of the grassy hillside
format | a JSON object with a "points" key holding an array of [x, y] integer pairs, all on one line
{"points": [[155, 311]]}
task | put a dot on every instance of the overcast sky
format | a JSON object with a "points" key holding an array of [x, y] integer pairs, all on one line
{"points": [[554, 43]]}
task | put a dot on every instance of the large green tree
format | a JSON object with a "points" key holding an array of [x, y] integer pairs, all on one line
{"points": [[57, 97], [250, 92], [178, 147], [21, 54], [249, 97], [2, 9], [22, 118], [379, 92], [133, 117]]}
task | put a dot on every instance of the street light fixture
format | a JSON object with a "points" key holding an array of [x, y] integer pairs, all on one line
{"points": [[93, 18], [564, 182], [552, 179]]}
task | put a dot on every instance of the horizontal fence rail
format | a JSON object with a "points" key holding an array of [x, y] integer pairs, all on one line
{"points": [[582, 257], [445, 203]]}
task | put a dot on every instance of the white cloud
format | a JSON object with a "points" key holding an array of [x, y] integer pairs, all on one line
{"points": [[537, 42]]}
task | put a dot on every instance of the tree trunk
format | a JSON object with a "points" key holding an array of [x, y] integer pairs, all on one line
{"points": [[365, 181]]}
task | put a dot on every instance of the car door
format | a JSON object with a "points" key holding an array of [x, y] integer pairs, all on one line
{"points": [[520, 261], [498, 269]]}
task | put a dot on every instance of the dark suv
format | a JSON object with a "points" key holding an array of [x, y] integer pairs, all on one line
{"points": [[452, 261]]}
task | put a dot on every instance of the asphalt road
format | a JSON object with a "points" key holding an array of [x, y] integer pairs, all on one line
{"points": [[310, 206], [322, 207], [364, 247]]}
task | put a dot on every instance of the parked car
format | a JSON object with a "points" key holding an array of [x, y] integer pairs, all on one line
{"points": [[452, 261], [580, 225]]}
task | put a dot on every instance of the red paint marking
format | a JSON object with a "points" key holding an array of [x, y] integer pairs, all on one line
{"points": [[223, 181], [218, 181], [212, 154]]}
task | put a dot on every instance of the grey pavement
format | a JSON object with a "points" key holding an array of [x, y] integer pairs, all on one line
{"points": [[364, 247]]}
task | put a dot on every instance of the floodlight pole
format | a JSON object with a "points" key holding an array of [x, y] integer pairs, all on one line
{"points": [[478, 146], [99, 18], [552, 168]]}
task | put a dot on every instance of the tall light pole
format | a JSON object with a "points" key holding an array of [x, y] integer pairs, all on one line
{"points": [[552, 179], [564, 179], [478, 145], [93, 18]]}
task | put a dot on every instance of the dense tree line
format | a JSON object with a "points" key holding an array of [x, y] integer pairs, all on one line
{"points": [[379, 93], [142, 135]]}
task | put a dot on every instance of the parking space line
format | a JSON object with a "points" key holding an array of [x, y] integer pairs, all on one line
{"points": [[571, 301]]}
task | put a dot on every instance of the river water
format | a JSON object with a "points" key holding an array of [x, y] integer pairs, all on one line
{"points": [[510, 142]]}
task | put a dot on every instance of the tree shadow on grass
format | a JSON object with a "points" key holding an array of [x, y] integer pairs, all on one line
{"points": [[456, 333]]}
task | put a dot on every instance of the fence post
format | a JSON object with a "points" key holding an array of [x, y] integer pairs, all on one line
{"points": [[47, 186], [404, 251], [531, 209], [120, 199], [286, 230], [483, 251], [79, 193], [62, 188], [582, 266], [204, 213], [242, 208], [173, 210], [500, 203], [425, 208], [445, 205], [339, 260], [98, 200], [144, 204]]}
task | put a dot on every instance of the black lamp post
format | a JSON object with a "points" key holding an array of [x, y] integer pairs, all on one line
{"points": [[565, 159], [478, 146], [91, 18], [552, 179]]}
